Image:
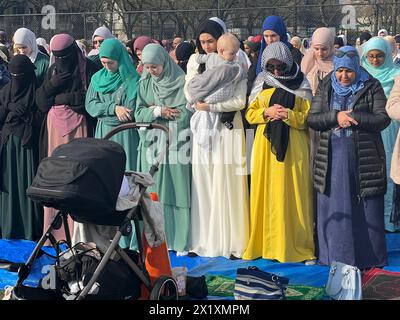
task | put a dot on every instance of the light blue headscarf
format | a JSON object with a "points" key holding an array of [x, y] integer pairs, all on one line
{"points": [[386, 72], [351, 63]]}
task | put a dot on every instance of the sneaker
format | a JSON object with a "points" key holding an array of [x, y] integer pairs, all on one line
{"points": [[310, 262]]}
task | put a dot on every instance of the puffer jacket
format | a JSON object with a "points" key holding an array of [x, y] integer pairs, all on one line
{"points": [[369, 111]]}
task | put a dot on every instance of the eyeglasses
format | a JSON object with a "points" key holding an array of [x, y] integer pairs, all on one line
{"points": [[280, 67], [341, 54], [98, 41], [379, 56]]}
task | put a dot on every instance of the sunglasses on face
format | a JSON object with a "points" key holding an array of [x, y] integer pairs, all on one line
{"points": [[341, 54], [98, 41], [279, 67]]}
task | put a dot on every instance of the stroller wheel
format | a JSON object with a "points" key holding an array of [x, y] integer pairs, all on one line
{"points": [[164, 288]]}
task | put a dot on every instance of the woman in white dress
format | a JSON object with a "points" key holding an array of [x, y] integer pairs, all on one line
{"points": [[220, 202]]}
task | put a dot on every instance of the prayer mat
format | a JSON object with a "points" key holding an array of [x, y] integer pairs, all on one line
{"points": [[224, 287], [378, 284]]}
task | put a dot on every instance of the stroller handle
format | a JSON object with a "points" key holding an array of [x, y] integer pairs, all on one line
{"points": [[145, 126]]}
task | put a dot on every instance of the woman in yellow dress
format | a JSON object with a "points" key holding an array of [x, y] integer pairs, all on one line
{"points": [[281, 195]]}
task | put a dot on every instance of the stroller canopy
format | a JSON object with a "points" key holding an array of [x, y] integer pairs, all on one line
{"points": [[82, 177]]}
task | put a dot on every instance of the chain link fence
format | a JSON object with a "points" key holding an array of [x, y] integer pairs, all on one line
{"points": [[301, 20]]}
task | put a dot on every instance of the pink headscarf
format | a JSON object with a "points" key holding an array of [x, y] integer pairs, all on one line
{"points": [[141, 42], [166, 45], [62, 41], [323, 37], [315, 68], [64, 118]]}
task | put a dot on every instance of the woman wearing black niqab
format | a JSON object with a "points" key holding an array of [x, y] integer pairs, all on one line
{"points": [[20, 218]]}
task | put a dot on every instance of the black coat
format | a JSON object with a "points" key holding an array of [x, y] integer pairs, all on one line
{"points": [[369, 111], [45, 99]]}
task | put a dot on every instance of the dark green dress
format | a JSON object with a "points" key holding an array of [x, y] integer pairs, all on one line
{"points": [[20, 218]]}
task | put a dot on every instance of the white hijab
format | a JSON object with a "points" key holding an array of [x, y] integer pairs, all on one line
{"points": [[242, 56], [43, 42], [27, 38], [384, 31], [103, 32]]}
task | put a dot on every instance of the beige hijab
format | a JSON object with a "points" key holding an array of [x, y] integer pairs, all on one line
{"points": [[296, 42], [314, 68]]}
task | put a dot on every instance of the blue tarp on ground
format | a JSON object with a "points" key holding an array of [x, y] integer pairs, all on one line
{"points": [[298, 273]]}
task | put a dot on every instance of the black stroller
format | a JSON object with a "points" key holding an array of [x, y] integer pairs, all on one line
{"points": [[85, 193]]}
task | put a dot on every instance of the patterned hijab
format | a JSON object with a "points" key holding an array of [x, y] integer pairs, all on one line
{"points": [[167, 88], [107, 82], [278, 132], [280, 52]]}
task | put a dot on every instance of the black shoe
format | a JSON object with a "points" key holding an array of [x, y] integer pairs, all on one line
{"points": [[192, 254]]}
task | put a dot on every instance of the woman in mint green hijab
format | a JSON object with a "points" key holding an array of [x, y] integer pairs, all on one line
{"points": [[377, 60], [111, 97], [161, 99]]}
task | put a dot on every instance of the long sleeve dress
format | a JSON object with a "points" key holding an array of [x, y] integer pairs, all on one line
{"points": [[174, 175], [56, 129], [220, 203], [281, 212], [20, 217], [102, 106]]}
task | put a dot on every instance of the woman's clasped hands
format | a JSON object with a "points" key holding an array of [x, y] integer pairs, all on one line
{"points": [[276, 112], [123, 114], [170, 113]]}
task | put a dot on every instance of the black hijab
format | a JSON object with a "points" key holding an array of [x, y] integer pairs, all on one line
{"points": [[211, 27], [365, 36], [183, 52], [17, 100], [339, 41], [67, 61]]}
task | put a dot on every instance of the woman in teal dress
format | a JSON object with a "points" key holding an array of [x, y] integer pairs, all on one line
{"points": [[111, 97], [377, 60], [161, 100], [25, 43]]}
